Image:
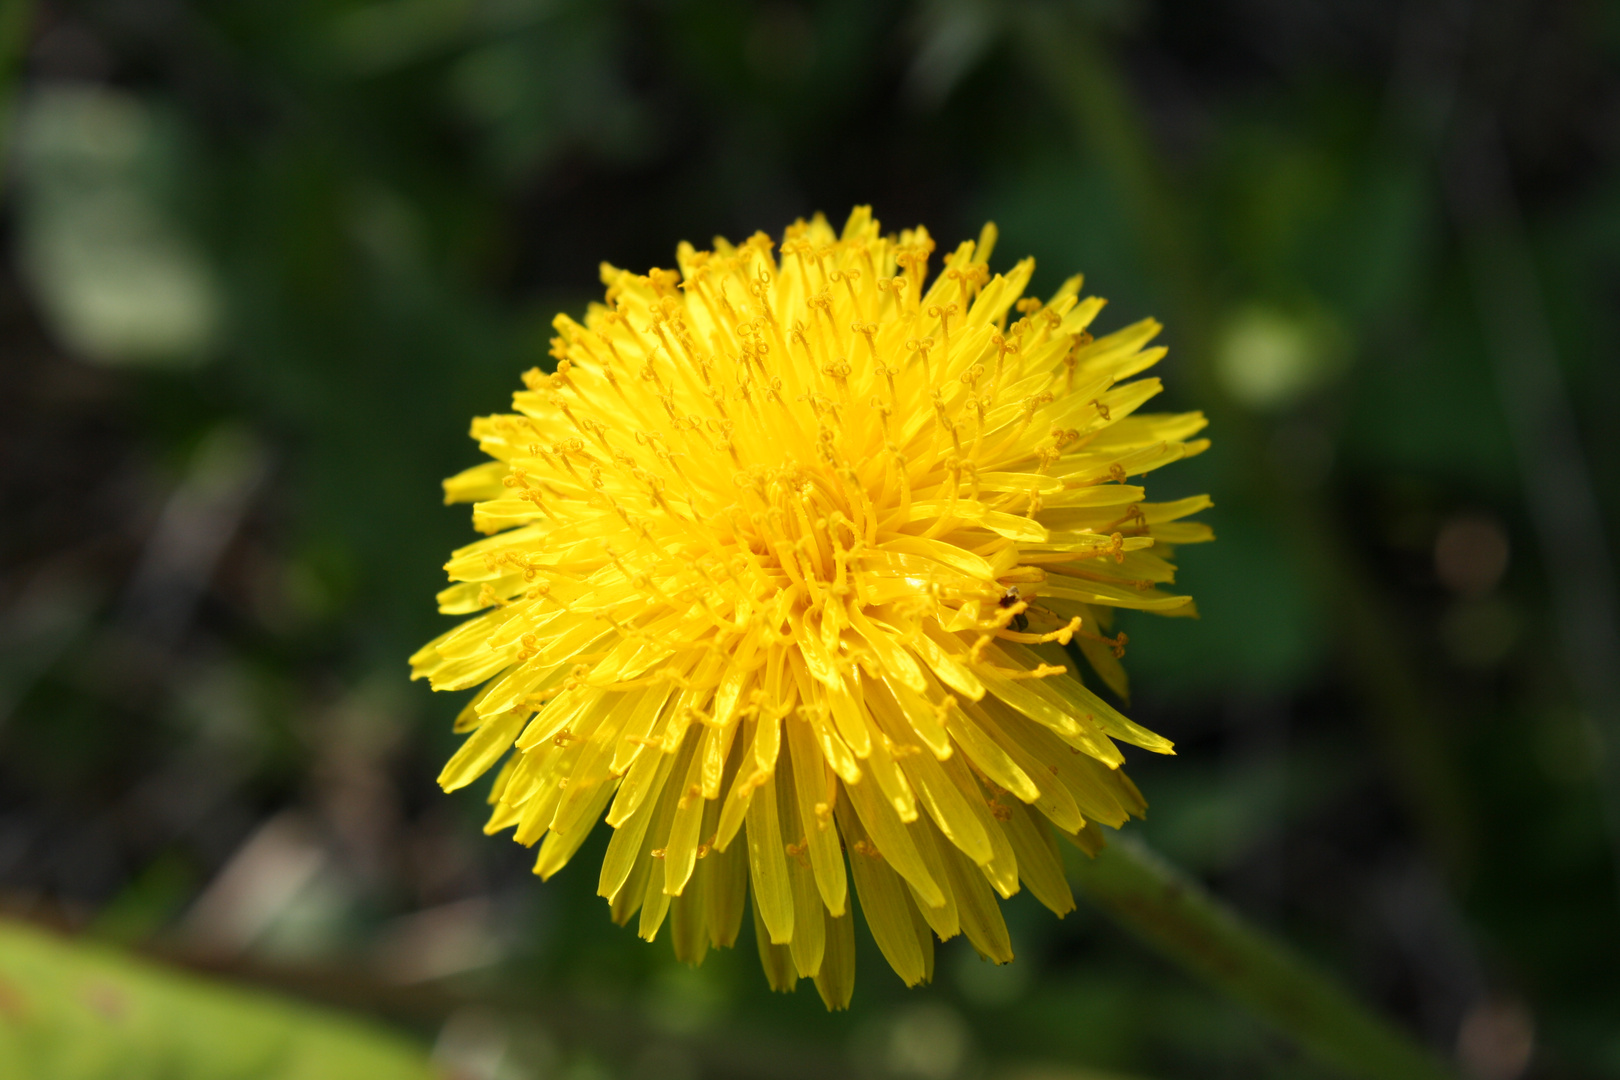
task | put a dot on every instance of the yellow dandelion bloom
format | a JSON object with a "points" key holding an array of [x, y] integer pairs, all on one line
{"points": [[789, 564]]}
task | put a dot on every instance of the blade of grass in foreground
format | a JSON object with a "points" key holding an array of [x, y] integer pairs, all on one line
{"points": [[1179, 919], [72, 1010]]}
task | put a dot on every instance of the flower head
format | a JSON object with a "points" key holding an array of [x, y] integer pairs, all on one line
{"points": [[790, 564]]}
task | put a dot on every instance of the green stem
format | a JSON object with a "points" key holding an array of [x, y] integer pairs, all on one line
{"points": [[1175, 916]]}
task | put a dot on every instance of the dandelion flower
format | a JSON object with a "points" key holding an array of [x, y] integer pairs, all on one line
{"points": [[789, 566]]}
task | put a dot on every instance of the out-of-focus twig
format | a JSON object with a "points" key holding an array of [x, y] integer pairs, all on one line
{"points": [[198, 523], [1433, 106], [1406, 717], [1556, 482]]}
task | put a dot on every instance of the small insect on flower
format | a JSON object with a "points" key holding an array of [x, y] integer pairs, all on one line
{"points": [[789, 565], [1020, 622]]}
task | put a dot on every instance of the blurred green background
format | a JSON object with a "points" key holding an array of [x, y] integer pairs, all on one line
{"points": [[263, 260]]}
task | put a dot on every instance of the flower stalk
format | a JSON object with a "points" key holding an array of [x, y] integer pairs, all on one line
{"points": [[1176, 917]]}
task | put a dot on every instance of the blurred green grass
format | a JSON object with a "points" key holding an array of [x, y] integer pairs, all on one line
{"points": [[82, 1013]]}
